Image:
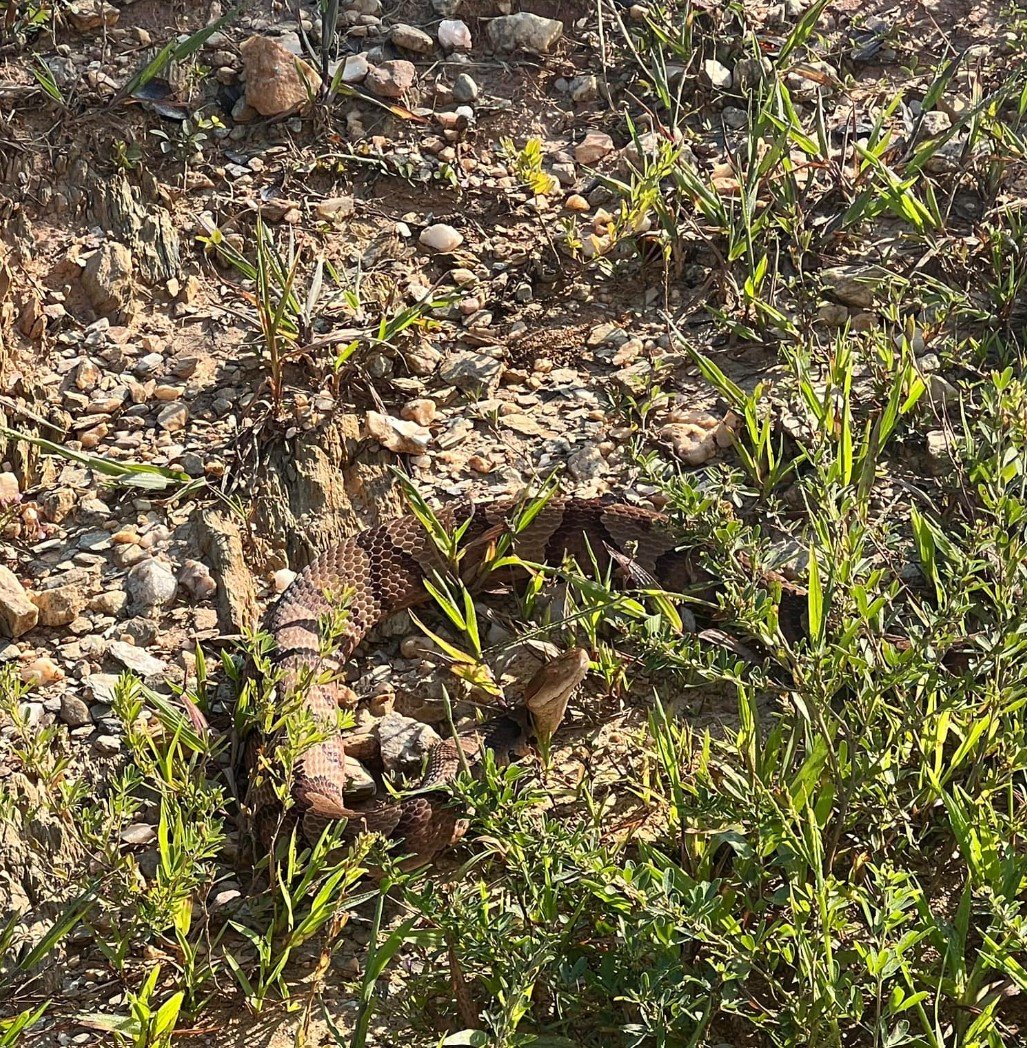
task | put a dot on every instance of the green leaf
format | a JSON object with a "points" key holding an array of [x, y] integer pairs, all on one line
{"points": [[175, 51], [69, 918], [131, 474], [815, 597]]}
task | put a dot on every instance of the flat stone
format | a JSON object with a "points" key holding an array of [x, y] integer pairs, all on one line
{"points": [[355, 69], [523, 424], [173, 417], [851, 285], [472, 372], [137, 660], [102, 685], [138, 833], [410, 38], [332, 208], [594, 146], [399, 435], [717, 73]]}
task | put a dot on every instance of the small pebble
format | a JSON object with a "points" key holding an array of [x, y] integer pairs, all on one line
{"points": [[282, 579], [41, 671], [465, 89], [422, 411], [441, 238], [454, 36]]}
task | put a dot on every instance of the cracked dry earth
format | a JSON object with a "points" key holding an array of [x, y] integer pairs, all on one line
{"points": [[125, 338]]}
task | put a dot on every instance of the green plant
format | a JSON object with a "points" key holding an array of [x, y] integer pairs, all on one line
{"points": [[186, 144], [288, 323], [147, 1025], [527, 163], [127, 155], [130, 474], [175, 50], [11, 1030]]}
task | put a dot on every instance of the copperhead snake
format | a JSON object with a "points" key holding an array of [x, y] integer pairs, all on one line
{"points": [[380, 571]]}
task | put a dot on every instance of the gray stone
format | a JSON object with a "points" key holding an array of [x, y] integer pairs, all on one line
{"points": [[410, 38], [566, 174], [354, 69], [472, 372], [101, 687], [404, 742], [94, 541], [136, 660], [852, 285], [464, 88], [587, 463], [524, 32], [939, 452], [107, 278], [935, 123], [148, 365], [941, 391], [138, 833], [583, 88], [718, 74], [74, 712], [946, 158], [151, 584], [832, 315], [359, 781], [735, 117], [749, 73]]}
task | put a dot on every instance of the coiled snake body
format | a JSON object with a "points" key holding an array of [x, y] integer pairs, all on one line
{"points": [[380, 571]]}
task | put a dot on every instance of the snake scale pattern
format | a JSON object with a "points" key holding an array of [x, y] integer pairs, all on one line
{"points": [[380, 571]]}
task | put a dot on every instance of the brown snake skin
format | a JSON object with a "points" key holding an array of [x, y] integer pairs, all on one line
{"points": [[381, 571]]}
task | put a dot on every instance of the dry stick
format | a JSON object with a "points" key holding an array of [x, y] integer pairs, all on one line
{"points": [[464, 766], [461, 989]]}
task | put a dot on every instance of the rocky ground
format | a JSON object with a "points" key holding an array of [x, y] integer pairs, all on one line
{"points": [[503, 323]]}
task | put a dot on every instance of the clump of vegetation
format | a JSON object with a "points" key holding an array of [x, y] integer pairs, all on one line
{"points": [[294, 308]]}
